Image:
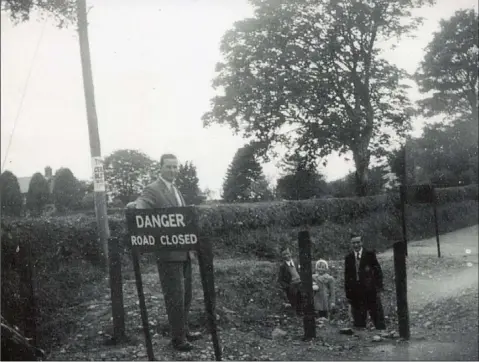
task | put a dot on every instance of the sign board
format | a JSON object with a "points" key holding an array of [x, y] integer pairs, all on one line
{"points": [[167, 229], [98, 174]]}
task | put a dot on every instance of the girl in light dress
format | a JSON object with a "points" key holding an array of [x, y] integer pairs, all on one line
{"points": [[324, 289]]}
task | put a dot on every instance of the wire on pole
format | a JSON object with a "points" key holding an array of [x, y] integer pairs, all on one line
{"points": [[24, 92]]}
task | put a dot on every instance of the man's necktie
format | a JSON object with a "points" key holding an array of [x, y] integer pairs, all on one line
{"points": [[357, 265], [175, 193]]}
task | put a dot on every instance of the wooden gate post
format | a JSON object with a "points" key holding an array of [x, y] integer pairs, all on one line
{"points": [[27, 291], [116, 289], [205, 261], [436, 225], [401, 288], [309, 322]]}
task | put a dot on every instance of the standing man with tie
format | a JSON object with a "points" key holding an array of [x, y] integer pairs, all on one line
{"points": [[174, 267], [363, 283]]}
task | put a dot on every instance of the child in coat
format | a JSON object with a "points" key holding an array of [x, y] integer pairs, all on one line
{"points": [[324, 289], [290, 281]]}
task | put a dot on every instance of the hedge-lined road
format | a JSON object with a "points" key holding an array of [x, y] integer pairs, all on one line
{"points": [[444, 322]]}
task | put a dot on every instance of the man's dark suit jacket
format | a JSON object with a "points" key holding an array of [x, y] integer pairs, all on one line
{"points": [[284, 276], [370, 275]]}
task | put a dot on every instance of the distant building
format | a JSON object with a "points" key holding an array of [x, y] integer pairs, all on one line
{"points": [[24, 182]]}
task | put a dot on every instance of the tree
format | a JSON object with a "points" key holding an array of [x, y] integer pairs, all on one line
{"points": [[345, 187], [63, 11], [308, 74], [66, 190], [445, 154], [38, 194], [11, 197], [302, 180], [244, 179], [187, 183], [127, 172], [449, 68]]}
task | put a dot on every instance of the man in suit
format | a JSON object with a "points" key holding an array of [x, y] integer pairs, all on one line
{"points": [[363, 283], [174, 267], [290, 281]]}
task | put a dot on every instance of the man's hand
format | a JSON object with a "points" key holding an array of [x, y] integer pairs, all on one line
{"points": [[131, 205]]}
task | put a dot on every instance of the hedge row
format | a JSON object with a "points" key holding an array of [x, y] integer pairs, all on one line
{"points": [[218, 218]]}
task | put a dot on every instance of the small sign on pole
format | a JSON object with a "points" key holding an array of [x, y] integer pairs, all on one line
{"points": [[164, 230], [98, 174]]}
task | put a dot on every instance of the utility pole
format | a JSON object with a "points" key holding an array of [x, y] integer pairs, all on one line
{"points": [[95, 150]]}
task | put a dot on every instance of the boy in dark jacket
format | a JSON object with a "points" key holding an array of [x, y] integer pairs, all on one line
{"points": [[290, 281]]}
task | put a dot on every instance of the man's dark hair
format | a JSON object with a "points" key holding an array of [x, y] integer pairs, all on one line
{"points": [[166, 156], [283, 249], [355, 235]]}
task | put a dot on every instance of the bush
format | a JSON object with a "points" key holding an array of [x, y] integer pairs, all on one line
{"points": [[88, 201], [11, 198], [214, 219], [66, 258], [66, 190], [38, 194]]}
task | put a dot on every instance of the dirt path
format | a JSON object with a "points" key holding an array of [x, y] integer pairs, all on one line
{"points": [[442, 297], [441, 280], [446, 294]]}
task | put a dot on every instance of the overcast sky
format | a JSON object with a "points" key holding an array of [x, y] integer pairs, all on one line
{"points": [[152, 66]]}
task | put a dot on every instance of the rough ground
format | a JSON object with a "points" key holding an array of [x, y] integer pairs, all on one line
{"points": [[443, 304]]}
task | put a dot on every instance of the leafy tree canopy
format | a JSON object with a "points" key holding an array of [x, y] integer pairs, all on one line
{"points": [[63, 11], [127, 172], [38, 194], [11, 198], [449, 68], [188, 184], [66, 190], [302, 180], [445, 154], [244, 179], [309, 74]]}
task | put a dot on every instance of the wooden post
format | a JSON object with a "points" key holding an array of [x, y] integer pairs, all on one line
{"points": [[27, 291], [401, 288], [403, 199], [116, 288], [205, 261], [143, 311], [95, 149], [309, 323], [436, 226]]}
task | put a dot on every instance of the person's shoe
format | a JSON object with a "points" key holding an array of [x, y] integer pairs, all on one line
{"points": [[193, 336], [182, 346]]}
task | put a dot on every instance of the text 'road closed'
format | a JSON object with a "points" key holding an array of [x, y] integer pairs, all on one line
{"points": [[165, 240]]}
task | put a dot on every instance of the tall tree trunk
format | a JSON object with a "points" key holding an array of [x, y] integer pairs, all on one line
{"points": [[361, 161]]}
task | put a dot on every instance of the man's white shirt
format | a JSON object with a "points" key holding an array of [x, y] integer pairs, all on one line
{"points": [[173, 189], [358, 254]]}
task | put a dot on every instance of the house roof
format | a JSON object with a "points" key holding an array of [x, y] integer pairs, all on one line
{"points": [[24, 183]]}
